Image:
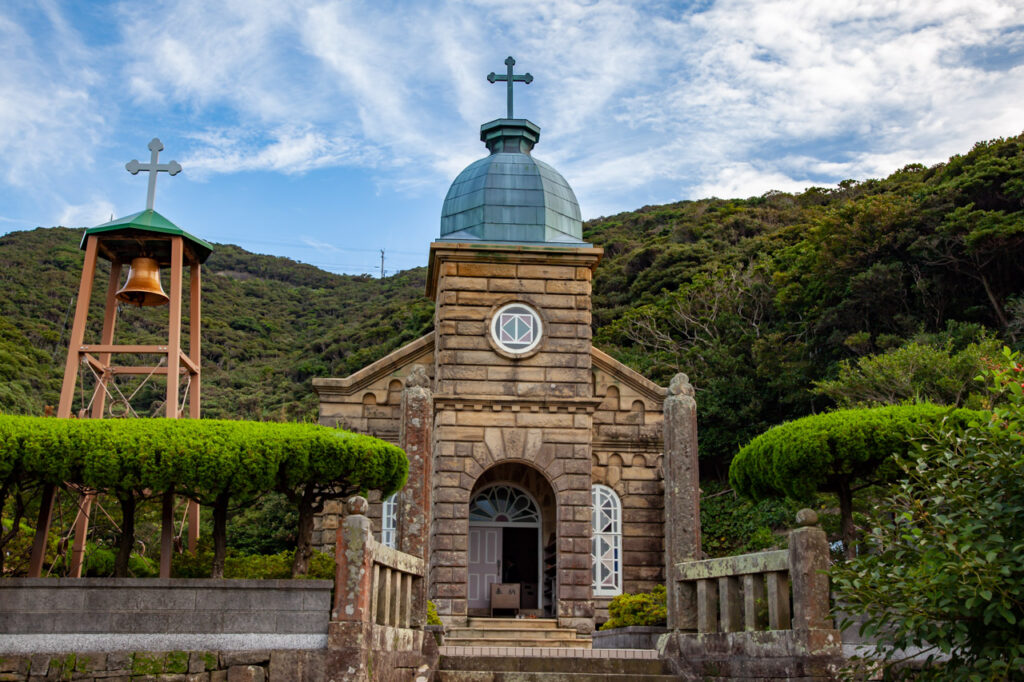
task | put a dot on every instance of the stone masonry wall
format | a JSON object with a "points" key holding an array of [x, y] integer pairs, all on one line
{"points": [[167, 666], [126, 614], [493, 407]]}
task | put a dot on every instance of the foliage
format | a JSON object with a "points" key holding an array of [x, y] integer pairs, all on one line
{"points": [[947, 572], [252, 566], [914, 372], [835, 451], [211, 461], [731, 524], [269, 526], [755, 299], [643, 608], [432, 616]]}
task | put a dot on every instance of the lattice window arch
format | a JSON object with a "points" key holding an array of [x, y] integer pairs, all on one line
{"points": [[505, 504], [606, 542], [389, 522]]}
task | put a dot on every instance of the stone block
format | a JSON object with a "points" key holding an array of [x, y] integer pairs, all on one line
{"points": [[520, 286], [487, 270], [15, 664], [545, 272], [567, 374], [486, 418], [556, 286], [479, 298], [247, 673], [463, 283], [244, 658]]}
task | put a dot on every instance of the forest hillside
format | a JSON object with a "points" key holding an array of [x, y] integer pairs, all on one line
{"points": [[755, 299]]}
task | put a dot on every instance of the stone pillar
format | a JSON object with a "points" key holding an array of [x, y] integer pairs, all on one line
{"points": [[415, 436], [808, 563], [682, 499], [350, 633]]}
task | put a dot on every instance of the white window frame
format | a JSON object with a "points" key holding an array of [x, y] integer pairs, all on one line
{"points": [[389, 522], [606, 541]]}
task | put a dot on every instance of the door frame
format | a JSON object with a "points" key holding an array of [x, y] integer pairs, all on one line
{"points": [[538, 525]]}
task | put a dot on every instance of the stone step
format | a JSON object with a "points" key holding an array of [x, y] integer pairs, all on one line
{"points": [[509, 633], [481, 676], [593, 662], [516, 641], [513, 623]]}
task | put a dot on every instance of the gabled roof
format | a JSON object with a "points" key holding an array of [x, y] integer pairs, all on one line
{"points": [[137, 225], [416, 351], [364, 379]]}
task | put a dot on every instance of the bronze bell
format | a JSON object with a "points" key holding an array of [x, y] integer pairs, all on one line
{"points": [[143, 286]]}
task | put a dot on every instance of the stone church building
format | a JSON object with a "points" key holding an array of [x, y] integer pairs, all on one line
{"points": [[543, 454]]}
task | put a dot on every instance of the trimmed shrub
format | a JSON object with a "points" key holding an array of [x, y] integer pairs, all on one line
{"points": [[644, 608], [835, 452], [214, 462]]}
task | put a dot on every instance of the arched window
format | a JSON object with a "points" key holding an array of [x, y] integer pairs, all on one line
{"points": [[504, 504], [606, 544], [389, 522]]}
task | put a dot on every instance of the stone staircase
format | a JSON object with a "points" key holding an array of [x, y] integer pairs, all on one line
{"points": [[514, 632], [537, 650]]}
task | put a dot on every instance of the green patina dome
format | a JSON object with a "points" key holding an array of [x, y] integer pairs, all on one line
{"points": [[510, 196]]}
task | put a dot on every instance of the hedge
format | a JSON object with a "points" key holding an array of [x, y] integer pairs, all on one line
{"points": [[210, 461]]}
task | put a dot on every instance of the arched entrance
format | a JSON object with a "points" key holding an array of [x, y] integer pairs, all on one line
{"points": [[511, 539]]}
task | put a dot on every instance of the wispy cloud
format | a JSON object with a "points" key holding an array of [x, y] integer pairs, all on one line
{"points": [[50, 119], [93, 212], [640, 102]]}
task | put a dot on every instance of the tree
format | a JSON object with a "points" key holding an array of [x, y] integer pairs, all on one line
{"points": [[333, 465], [947, 568], [839, 452], [917, 372]]}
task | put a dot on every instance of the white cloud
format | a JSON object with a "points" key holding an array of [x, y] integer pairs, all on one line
{"points": [[49, 118], [639, 102], [288, 150], [93, 212]]}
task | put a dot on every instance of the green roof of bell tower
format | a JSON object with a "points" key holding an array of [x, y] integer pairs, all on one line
{"points": [[510, 196]]}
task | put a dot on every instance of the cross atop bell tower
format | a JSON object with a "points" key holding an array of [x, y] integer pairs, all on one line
{"points": [[172, 168], [524, 78]]}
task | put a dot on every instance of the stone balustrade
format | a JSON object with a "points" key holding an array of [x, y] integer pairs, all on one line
{"points": [[732, 594], [378, 615], [763, 615]]}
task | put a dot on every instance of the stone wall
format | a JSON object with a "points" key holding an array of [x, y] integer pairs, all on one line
{"points": [[167, 666], [493, 406], [39, 615]]}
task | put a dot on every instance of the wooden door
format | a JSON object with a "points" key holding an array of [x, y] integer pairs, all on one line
{"points": [[484, 564]]}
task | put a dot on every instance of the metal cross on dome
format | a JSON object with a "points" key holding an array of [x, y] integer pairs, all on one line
{"points": [[525, 78], [172, 168]]}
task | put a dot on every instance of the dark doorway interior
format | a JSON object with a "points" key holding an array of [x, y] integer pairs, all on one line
{"points": [[520, 562]]}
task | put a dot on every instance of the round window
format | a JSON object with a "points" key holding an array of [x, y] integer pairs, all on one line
{"points": [[516, 328]]}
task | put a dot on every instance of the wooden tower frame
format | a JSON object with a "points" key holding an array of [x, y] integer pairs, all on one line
{"points": [[143, 234]]}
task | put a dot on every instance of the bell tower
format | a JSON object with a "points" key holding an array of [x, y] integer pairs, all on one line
{"points": [[145, 241]]}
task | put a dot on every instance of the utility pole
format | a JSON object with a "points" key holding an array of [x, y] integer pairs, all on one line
{"points": [[382, 263]]}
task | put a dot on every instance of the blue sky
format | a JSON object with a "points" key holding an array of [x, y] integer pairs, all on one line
{"points": [[326, 131]]}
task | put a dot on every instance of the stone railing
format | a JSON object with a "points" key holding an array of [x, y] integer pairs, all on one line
{"points": [[771, 606], [378, 615]]}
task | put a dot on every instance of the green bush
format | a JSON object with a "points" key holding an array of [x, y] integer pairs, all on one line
{"points": [[645, 608], [835, 452], [251, 566], [731, 524], [214, 462], [947, 570], [432, 617]]}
